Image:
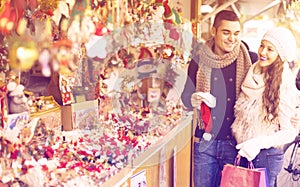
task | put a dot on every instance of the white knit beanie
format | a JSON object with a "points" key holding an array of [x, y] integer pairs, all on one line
{"points": [[284, 42]]}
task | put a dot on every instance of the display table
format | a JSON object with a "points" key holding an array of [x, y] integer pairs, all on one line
{"points": [[176, 147], [101, 156]]}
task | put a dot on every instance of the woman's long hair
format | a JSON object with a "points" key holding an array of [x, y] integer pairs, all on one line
{"points": [[271, 94]]}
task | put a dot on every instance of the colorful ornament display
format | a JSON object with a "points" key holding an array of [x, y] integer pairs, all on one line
{"points": [[80, 154]]}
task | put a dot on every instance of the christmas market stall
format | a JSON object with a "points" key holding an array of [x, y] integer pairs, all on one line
{"points": [[109, 112]]}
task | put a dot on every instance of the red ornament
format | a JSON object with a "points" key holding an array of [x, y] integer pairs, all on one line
{"points": [[49, 152], [174, 34], [14, 154], [44, 167], [12, 14], [62, 164], [101, 29], [8, 19], [168, 11]]}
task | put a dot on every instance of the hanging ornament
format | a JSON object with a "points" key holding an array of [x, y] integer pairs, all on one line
{"points": [[44, 45], [101, 29], [44, 60], [170, 77], [87, 27], [32, 4], [128, 84], [168, 15], [145, 53], [177, 11], [78, 8], [114, 82], [168, 52], [12, 11], [96, 47], [7, 19], [23, 53], [48, 6], [22, 26], [74, 33], [127, 58], [61, 10], [100, 7], [64, 57], [174, 34], [170, 19], [2, 6]]}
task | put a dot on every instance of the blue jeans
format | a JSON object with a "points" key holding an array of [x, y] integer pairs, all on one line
{"points": [[272, 160], [209, 159]]}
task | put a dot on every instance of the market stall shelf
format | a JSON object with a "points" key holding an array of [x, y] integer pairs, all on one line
{"points": [[178, 140]]}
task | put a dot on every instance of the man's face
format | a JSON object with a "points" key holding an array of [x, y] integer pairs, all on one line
{"points": [[226, 36]]}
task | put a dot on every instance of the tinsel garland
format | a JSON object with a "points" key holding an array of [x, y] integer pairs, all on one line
{"points": [[48, 6]]}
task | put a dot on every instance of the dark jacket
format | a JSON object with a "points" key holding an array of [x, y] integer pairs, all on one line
{"points": [[223, 88], [190, 84]]}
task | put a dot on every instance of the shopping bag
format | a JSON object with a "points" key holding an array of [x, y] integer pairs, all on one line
{"points": [[264, 180], [236, 176]]}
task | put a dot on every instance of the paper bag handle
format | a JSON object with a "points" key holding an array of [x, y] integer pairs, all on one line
{"points": [[238, 160]]}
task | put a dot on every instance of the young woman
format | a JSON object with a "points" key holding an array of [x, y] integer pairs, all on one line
{"points": [[267, 103]]}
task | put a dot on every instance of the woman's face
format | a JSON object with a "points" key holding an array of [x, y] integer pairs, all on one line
{"points": [[267, 53]]}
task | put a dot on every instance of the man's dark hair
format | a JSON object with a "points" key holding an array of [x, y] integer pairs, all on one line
{"points": [[225, 15]]}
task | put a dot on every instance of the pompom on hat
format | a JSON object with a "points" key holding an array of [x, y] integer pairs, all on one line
{"points": [[284, 42]]}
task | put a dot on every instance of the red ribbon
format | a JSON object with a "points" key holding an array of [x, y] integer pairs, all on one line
{"points": [[206, 117]]}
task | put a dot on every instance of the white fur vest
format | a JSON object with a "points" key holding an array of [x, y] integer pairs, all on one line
{"points": [[249, 113]]}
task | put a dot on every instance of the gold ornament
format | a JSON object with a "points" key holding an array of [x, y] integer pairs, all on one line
{"points": [[2, 3], [48, 6], [22, 54], [128, 84]]}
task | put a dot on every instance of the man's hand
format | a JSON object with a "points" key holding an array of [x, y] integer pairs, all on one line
{"points": [[196, 100]]}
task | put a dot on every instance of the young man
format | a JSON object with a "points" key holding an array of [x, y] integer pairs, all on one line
{"points": [[215, 74]]}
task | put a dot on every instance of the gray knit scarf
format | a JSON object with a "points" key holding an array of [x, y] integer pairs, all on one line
{"points": [[209, 60]]}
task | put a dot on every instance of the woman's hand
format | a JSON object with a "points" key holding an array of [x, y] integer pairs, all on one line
{"points": [[250, 148], [295, 120]]}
